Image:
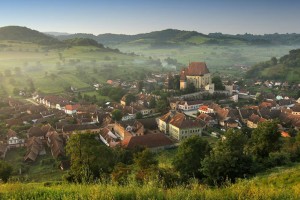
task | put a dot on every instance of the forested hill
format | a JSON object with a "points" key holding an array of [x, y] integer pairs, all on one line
{"points": [[173, 36], [83, 42], [26, 35], [23, 34], [286, 68]]}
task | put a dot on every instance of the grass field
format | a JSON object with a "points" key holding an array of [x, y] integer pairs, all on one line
{"points": [[45, 168], [218, 58], [54, 70], [280, 183]]}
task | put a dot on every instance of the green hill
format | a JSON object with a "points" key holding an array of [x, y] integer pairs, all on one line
{"points": [[26, 35], [157, 38], [286, 68], [173, 36], [280, 183]]}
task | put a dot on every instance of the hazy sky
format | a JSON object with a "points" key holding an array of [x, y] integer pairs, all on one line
{"points": [[138, 16]]}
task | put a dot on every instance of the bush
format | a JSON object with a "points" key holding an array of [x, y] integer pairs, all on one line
{"points": [[278, 159]]}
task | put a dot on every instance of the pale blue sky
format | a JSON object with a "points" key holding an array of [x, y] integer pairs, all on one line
{"points": [[133, 16]]}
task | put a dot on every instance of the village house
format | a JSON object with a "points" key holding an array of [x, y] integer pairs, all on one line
{"points": [[163, 121], [75, 128], [154, 142], [36, 132], [296, 110], [196, 73], [13, 140], [208, 119], [71, 109], [254, 120], [205, 109], [180, 127], [56, 143], [109, 138], [129, 128], [35, 147], [189, 105], [53, 101]]}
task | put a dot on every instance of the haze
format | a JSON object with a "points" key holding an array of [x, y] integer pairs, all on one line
{"points": [[131, 17]]}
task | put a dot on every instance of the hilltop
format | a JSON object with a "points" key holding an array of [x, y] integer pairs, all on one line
{"points": [[25, 34], [179, 37], [286, 68]]}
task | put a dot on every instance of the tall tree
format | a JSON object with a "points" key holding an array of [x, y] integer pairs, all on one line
{"points": [[5, 171], [116, 115], [189, 156], [89, 157], [264, 139], [227, 160], [218, 83]]}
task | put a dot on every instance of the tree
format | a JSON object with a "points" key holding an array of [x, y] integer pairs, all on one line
{"points": [[274, 61], [264, 139], [190, 88], [145, 159], [89, 157], [227, 160], [161, 105], [152, 103], [218, 83], [140, 86], [139, 115], [5, 171], [130, 98], [116, 115], [189, 156]]}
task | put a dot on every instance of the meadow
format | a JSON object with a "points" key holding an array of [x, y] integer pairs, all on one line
{"points": [[225, 59], [279, 183], [56, 70]]}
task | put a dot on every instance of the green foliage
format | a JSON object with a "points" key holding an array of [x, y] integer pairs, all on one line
{"points": [[264, 139], [130, 98], [152, 103], [116, 115], [227, 160], [145, 159], [115, 93], [139, 115], [287, 69], [161, 105], [89, 158], [26, 34], [189, 156], [280, 183], [218, 83], [5, 171], [83, 42]]}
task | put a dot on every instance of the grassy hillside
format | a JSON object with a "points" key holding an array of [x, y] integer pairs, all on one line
{"points": [[54, 70], [287, 68], [280, 183], [26, 35]]}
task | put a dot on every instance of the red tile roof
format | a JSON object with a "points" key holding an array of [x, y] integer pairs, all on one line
{"points": [[149, 141]]}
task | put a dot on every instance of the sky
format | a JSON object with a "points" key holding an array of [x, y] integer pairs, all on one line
{"points": [[139, 16]]}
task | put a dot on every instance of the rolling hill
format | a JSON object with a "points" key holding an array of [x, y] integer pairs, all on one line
{"points": [[286, 68], [24, 34], [173, 36]]}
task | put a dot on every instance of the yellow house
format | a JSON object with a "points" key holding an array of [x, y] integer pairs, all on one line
{"points": [[181, 128]]}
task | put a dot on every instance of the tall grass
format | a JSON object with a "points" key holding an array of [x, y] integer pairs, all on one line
{"points": [[257, 188]]}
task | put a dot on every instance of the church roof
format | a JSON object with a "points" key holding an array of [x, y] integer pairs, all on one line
{"points": [[194, 69]]}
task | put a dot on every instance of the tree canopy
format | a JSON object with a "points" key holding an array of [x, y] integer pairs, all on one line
{"points": [[189, 156], [89, 157]]}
